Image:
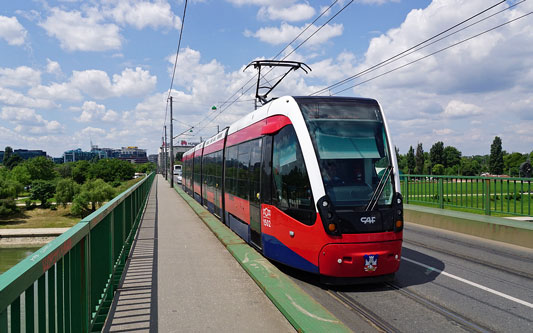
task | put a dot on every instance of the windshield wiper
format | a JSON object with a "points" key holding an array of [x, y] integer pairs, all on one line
{"points": [[379, 189]]}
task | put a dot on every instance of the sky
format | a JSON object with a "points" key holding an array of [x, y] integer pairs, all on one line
{"points": [[75, 72]]}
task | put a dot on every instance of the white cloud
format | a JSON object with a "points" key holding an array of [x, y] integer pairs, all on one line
{"points": [[53, 67], [29, 122], [294, 13], [13, 98], [141, 14], [459, 109], [286, 33], [91, 111], [19, 77], [12, 31], [96, 83], [56, 91], [78, 32]]}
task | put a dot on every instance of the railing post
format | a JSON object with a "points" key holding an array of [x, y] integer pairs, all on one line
{"points": [[441, 193], [487, 196], [406, 198]]}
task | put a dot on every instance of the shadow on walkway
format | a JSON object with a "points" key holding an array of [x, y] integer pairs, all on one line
{"points": [[134, 307]]}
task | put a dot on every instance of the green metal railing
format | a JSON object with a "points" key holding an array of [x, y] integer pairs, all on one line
{"points": [[68, 285], [508, 196]]}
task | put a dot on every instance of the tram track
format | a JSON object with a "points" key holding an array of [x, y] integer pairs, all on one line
{"points": [[384, 325], [374, 319]]}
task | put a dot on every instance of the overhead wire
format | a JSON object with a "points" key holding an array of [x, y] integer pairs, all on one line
{"points": [[176, 59], [228, 104], [433, 53], [405, 51]]}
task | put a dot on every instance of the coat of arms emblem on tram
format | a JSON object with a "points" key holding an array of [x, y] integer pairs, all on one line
{"points": [[371, 262]]}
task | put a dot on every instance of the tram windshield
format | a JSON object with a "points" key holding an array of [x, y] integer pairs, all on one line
{"points": [[351, 144]]}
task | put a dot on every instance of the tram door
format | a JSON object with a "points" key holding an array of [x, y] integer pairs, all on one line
{"points": [[255, 192]]}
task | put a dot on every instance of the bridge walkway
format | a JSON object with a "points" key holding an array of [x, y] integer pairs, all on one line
{"points": [[180, 278]]}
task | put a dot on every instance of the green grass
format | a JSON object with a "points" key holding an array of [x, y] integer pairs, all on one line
{"points": [[507, 198], [40, 218]]}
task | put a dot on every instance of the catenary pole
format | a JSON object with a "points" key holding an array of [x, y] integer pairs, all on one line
{"points": [[171, 147]]}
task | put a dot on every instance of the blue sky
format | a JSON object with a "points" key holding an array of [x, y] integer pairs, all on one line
{"points": [[72, 72]]}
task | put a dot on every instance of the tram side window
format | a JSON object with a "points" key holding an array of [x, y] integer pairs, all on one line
{"points": [[243, 173], [231, 170], [197, 169], [218, 169], [291, 188]]}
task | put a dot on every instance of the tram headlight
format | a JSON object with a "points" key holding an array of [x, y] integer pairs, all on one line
{"points": [[332, 227], [329, 219], [398, 214]]}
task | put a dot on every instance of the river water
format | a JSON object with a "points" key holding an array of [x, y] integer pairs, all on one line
{"points": [[9, 257]]}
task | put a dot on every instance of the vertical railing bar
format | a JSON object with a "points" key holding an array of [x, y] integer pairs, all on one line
{"points": [[514, 196], [521, 197], [67, 293], [51, 299], [3, 321], [41, 303], [30, 309], [508, 198], [15, 316], [60, 296]]}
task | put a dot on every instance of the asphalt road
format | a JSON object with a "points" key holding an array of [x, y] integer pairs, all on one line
{"points": [[447, 282]]}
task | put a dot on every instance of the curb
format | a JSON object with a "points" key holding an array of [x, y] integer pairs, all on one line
{"points": [[301, 310]]}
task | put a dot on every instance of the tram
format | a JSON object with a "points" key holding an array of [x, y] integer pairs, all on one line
{"points": [[310, 182]]}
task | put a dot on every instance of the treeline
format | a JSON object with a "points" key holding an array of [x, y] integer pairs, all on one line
{"points": [[448, 160], [85, 184]]}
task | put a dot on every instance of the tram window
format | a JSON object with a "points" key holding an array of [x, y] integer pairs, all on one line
{"points": [[291, 190], [255, 169], [231, 169], [197, 169], [243, 170]]}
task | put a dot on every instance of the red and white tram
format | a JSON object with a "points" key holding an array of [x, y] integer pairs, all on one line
{"points": [[311, 182]]}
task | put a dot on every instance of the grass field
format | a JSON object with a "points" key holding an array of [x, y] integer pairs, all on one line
{"points": [[506, 197], [40, 218]]}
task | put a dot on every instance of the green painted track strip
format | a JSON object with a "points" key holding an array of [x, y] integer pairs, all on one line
{"points": [[300, 309]]}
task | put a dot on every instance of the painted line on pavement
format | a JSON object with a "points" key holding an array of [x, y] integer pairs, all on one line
{"points": [[495, 292]]}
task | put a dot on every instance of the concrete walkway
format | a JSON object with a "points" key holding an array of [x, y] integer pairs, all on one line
{"points": [[180, 278]]}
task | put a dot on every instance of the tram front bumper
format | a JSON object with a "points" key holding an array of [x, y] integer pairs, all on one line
{"points": [[360, 259]]}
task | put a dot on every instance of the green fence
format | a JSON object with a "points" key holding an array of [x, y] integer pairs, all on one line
{"points": [[507, 196], [68, 285]]}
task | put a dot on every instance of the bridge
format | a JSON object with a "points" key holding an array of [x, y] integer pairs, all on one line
{"points": [[153, 259]]}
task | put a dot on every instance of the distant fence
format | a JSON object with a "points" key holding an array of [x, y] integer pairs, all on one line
{"points": [[68, 285], [510, 196]]}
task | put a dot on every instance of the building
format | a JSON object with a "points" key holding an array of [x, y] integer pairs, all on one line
{"points": [[152, 158], [25, 154], [133, 154], [78, 155]]}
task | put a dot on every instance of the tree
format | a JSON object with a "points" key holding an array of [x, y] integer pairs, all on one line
{"points": [[65, 170], [419, 159], [436, 153], [20, 174], [9, 190], [452, 157], [80, 171], [66, 190], [11, 160], [111, 170], [438, 169], [42, 190], [496, 157], [411, 162], [41, 168], [512, 163], [93, 193]]}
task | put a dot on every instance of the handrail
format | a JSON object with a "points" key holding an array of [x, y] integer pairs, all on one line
{"points": [[487, 194], [72, 279]]}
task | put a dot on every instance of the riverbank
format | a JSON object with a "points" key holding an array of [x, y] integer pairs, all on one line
{"points": [[28, 237]]}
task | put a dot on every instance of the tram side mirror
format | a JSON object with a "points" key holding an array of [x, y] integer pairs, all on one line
{"points": [[328, 216]]}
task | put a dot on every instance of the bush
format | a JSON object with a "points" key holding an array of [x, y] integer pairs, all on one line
{"points": [[8, 207]]}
